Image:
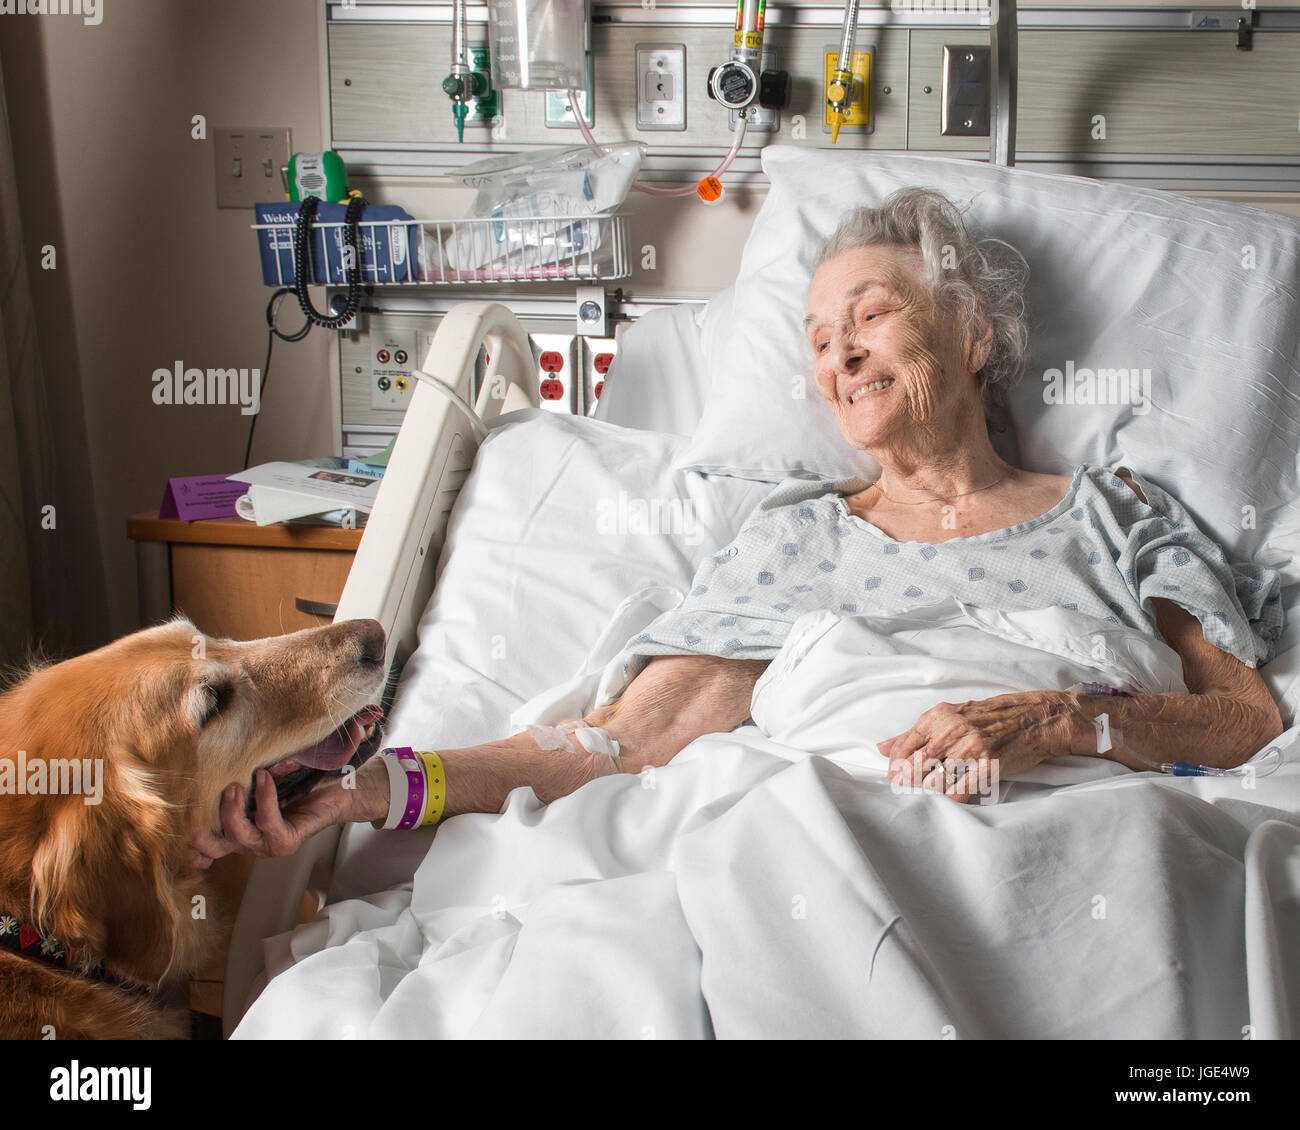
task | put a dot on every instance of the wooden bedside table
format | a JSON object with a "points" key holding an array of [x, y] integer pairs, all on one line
{"points": [[236, 580], [240, 581]]}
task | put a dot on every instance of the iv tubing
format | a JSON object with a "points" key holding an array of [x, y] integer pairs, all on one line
{"points": [[656, 190], [1109, 737]]}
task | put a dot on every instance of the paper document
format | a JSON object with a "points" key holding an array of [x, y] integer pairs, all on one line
{"points": [[278, 492]]}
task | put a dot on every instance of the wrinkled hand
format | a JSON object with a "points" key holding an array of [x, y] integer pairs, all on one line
{"points": [[276, 833], [962, 749]]}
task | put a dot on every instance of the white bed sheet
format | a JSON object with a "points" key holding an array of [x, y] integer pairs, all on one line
{"points": [[755, 889], [560, 520], [508, 622]]}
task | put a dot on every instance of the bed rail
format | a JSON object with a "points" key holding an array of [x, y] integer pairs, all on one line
{"points": [[392, 575]]}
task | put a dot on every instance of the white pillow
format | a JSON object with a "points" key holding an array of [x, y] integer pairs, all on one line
{"points": [[1120, 277], [659, 377]]}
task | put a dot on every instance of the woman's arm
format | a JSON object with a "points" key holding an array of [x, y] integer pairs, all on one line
{"points": [[1228, 714], [668, 705], [673, 701]]}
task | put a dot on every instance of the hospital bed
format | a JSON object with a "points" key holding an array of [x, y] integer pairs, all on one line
{"points": [[470, 676]]}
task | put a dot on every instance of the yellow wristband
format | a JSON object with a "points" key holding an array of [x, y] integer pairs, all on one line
{"points": [[435, 789]]}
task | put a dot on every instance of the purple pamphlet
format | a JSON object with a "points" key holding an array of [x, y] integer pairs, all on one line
{"points": [[200, 496]]}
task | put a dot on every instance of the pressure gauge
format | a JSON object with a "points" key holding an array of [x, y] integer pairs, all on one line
{"points": [[734, 85]]}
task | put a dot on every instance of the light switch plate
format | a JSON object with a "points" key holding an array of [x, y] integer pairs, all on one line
{"points": [[661, 86], [248, 163], [964, 106]]}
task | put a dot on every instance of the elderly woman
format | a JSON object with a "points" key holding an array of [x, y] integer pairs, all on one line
{"points": [[915, 333]]}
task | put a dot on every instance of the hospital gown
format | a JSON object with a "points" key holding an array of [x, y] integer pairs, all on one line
{"points": [[1100, 551]]}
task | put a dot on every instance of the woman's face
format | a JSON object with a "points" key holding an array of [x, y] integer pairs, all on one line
{"points": [[870, 318]]}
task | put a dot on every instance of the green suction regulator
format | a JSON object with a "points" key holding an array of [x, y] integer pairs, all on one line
{"points": [[462, 85]]}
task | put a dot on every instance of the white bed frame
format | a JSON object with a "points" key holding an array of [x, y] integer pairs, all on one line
{"points": [[393, 574]]}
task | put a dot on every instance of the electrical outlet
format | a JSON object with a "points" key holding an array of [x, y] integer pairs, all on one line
{"points": [[597, 357], [859, 116], [248, 163], [556, 371], [661, 86]]}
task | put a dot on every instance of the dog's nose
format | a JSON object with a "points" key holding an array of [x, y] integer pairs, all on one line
{"points": [[372, 639]]}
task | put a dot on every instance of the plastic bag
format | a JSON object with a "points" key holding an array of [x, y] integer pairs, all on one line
{"points": [[533, 203]]}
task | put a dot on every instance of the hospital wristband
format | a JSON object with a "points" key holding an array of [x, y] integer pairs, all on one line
{"points": [[406, 789], [435, 788]]}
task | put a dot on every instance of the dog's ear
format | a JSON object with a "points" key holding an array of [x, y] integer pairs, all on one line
{"points": [[100, 878]]}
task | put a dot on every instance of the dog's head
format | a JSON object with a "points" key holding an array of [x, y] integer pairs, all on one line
{"points": [[149, 730]]}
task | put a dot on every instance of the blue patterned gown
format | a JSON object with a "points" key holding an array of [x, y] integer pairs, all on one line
{"points": [[1100, 551]]}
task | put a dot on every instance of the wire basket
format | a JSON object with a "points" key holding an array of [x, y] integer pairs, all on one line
{"points": [[425, 252]]}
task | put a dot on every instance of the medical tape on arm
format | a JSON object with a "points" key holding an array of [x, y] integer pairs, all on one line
{"points": [[577, 738], [1109, 735]]}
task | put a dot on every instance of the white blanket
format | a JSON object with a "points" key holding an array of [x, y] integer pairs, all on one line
{"points": [[773, 884]]}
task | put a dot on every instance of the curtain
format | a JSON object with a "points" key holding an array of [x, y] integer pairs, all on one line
{"points": [[52, 591], [20, 377]]}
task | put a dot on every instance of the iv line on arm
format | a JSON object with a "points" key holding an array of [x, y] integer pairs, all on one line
{"points": [[1111, 737]]}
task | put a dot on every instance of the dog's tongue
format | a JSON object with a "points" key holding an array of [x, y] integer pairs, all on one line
{"points": [[336, 751]]}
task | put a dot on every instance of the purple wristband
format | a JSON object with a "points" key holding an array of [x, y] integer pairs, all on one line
{"points": [[413, 769]]}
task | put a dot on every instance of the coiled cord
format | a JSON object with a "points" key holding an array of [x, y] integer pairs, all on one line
{"points": [[302, 264]]}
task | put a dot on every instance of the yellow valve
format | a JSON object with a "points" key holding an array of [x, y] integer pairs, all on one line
{"points": [[848, 94]]}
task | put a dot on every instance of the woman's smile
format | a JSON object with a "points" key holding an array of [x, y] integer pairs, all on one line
{"points": [[870, 389]]}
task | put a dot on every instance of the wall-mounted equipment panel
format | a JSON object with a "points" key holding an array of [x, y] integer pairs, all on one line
{"points": [[1130, 82]]}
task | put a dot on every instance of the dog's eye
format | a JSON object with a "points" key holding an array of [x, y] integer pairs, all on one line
{"points": [[218, 699]]}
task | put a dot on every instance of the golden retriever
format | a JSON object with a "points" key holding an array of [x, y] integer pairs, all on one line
{"points": [[108, 763]]}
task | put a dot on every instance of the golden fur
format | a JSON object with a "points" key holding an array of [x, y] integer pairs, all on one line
{"points": [[175, 718]]}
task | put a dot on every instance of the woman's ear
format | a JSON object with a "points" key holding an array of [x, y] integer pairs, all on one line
{"points": [[977, 351]]}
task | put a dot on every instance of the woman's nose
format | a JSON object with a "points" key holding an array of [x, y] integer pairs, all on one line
{"points": [[846, 354]]}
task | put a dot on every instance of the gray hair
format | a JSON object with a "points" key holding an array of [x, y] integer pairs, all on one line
{"points": [[972, 278]]}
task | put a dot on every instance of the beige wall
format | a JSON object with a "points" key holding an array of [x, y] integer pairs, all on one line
{"points": [[149, 270]]}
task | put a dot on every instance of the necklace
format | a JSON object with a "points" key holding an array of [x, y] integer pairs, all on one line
{"points": [[898, 502]]}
